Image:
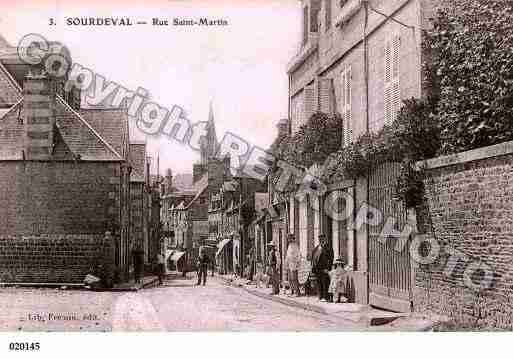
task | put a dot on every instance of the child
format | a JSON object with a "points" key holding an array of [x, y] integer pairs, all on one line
{"points": [[337, 281], [259, 276]]}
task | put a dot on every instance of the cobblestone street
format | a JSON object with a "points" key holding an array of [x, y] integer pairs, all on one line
{"points": [[179, 305]]}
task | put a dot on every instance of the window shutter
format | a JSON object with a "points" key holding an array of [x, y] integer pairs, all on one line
{"points": [[327, 13], [392, 88], [396, 88], [310, 227], [310, 105], [346, 105], [388, 83], [326, 103]]}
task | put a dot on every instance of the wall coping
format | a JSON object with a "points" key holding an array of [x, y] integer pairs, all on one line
{"points": [[341, 185], [482, 153]]}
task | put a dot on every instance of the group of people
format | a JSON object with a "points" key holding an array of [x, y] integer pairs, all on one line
{"points": [[330, 274]]}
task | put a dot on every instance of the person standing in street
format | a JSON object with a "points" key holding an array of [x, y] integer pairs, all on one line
{"points": [[273, 269], [161, 267], [322, 262], [138, 260], [292, 264], [203, 262]]}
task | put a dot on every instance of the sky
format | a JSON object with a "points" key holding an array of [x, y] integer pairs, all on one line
{"points": [[240, 67]]}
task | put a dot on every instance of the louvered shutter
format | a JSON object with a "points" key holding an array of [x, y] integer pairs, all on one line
{"points": [[310, 104], [325, 91], [392, 88], [349, 114], [388, 83], [346, 105], [396, 88]]}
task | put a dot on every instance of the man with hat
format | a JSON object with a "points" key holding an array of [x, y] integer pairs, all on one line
{"points": [[292, 260], [322, 261], [273, 268]]}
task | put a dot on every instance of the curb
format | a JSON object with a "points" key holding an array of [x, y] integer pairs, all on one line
{"points": [[292, 303], [376, 322]]}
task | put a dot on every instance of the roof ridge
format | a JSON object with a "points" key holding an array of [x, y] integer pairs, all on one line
{"points": [[11, 79], [12, 108], [76, 113]]}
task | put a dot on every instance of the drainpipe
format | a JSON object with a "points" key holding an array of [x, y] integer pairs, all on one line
{"points": [[367, 128]]}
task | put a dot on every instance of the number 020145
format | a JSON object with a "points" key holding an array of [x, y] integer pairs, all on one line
{"points": [[15, 346]]}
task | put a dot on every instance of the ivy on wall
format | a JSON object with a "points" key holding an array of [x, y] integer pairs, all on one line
{"points": [[468, 103], [471, 44]]}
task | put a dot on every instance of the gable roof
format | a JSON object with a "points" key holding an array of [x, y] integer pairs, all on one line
{"points": [[10, 91], [3, 42], [81, 137], [74, 137], [111, 124], [200, 187], [11, 134]]}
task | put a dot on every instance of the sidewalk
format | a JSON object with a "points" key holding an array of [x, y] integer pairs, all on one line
{"points": [[374, 319], [131, 286]]}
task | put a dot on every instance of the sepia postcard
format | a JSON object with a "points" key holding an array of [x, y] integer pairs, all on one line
{"points": [[255, 166]]}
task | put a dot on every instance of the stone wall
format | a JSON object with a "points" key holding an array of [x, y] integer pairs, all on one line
{"points": [[469, 212], [51, 258], [58, 197]]}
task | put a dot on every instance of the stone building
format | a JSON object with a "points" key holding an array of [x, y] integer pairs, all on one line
{"points": [[186, 211], [66, 175], [232, 211], [359, 59]]}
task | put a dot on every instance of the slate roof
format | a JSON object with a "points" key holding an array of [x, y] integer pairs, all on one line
{"points": [[200, 186], [112, 124], [74, 136], [10, 91], [3, 42]]}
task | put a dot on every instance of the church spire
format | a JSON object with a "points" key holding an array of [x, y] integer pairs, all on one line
{"points": [[209, 145]]}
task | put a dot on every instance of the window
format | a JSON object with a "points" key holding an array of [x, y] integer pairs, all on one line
{"points": [[305, 25], [345, 91], [392, 88], [327, 14], [314, 12]]}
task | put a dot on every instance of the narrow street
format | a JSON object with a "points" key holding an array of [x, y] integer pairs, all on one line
{"points": [[179, 305]]}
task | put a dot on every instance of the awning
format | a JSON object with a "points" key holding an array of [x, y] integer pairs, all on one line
{"points": [[176, 256], [221, 245]]}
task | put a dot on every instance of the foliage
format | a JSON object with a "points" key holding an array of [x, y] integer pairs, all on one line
{"points": [[468, 103], [473, 62], [320, 136], [414, 136]]}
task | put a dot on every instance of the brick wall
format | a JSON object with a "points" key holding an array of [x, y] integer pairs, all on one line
{"points": [[469, 209], [49, 259]]}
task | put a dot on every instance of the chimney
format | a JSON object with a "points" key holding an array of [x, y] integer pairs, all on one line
{"points": [[198, 170], [38, 107], [283, 128], [169, 181]]}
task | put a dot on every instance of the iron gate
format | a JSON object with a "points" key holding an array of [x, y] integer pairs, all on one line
{"points": [[390, 281]]}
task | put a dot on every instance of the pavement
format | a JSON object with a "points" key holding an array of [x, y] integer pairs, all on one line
{"points": [[132, 286], [365, 315], [178, 305]]}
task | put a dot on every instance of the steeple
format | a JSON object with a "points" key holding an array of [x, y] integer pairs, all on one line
{"points": [[209, 143]]}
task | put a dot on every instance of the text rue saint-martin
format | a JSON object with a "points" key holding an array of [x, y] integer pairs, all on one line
{"points": [[156, 21]]}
